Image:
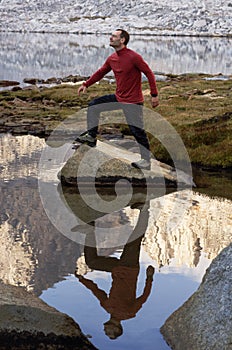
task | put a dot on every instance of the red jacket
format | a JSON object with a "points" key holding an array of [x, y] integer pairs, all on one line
{"points": [[128, 67], [122, 302]]}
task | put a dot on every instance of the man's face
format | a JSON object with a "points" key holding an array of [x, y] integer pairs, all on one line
{"points": [[115, 40]]}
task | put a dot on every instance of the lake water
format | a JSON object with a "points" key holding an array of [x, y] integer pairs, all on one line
{"points": [[42, 258], [47, 55], [37, 255]]}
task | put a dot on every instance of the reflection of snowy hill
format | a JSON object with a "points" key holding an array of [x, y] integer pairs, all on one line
{"points": [[202, 222]]}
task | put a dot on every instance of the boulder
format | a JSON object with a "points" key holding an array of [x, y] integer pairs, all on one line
{"points": [[5, 83], [109, 163], [204, 321], [26, 322]]}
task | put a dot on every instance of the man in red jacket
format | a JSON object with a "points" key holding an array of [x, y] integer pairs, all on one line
{"points": [[121, 302], [128, 67]]}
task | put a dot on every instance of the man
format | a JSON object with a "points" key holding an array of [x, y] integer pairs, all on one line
{"points": [[121, 302], [128, 67]]}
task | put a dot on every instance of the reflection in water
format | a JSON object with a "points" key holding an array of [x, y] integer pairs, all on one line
{"points": [[122, 303], [34, 254], [28, 55]]}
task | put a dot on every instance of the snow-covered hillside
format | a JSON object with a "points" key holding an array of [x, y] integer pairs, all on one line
{"points": [[179, 17]]}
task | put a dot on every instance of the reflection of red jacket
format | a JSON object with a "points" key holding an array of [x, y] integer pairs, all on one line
{"points": [[121, 303], [127, 66]]}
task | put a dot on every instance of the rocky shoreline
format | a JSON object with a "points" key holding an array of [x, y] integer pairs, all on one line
{"points": [[39, 107], [208, 18]]}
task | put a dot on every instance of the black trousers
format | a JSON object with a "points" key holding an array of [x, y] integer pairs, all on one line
{"points": [[130, 253], [133, 114]]}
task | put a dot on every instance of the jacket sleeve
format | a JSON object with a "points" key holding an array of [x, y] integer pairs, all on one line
{"points": [[99, 293], [146, 292], [99, 74], [145, 69]]}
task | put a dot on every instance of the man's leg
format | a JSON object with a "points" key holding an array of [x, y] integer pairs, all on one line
{"points": [[92, 259], [131, 251], [95, 107], [134, 117]]}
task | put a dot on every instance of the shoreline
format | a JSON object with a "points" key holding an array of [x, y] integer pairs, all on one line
{"points": [[141, 34]]}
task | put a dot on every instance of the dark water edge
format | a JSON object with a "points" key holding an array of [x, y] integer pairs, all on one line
{"points": [[213, 181]]}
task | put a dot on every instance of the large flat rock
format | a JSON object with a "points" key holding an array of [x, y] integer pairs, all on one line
{"points": [[107, 163], [26, 322]]}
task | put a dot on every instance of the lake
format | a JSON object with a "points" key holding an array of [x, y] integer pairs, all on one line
{"points": [[37, 252], [59, 55]]}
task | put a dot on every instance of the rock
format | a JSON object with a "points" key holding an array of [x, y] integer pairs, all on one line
{"points": [[5, 83], [32, 81], [26, 322], [20, 103], [16, 88], [108, 163], [204, 321]]}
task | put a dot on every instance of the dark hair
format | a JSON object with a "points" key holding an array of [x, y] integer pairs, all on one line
{"points": [[124, 34], [117, 329]]}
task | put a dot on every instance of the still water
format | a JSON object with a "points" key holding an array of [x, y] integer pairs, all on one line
{"points": [[36, 255], [46, 55]]}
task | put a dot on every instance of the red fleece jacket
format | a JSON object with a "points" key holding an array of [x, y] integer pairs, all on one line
{"points": [[121, 302], [128, 67]]}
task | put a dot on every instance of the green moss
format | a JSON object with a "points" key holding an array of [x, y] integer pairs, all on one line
{"points": [[200, 110]]}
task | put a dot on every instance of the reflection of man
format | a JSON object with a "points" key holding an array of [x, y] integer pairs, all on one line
{"points": [[122, 303]]}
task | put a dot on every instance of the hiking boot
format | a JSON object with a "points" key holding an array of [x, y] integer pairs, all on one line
{"points": [[86, 138], [142, 164]]}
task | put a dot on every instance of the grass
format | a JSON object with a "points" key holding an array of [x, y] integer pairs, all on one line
{"points": [[200, 110]]}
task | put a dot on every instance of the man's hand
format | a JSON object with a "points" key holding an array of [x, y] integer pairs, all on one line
{"points": [[82, 88], [150, 272], [155, 101]]}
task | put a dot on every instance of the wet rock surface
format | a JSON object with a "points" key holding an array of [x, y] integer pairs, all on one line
{"points": [[26, 322], [205, 319]]}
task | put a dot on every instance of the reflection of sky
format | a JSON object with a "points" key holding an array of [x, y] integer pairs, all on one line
{"points": [[171, 287], [29, 55]]}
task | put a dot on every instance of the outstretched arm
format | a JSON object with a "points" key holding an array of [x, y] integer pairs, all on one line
{"points": [[98, 75], [147, 289], [99, 293]]}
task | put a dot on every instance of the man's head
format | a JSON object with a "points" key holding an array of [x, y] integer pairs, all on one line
{"points": [[119, 38], [113, 329]]}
